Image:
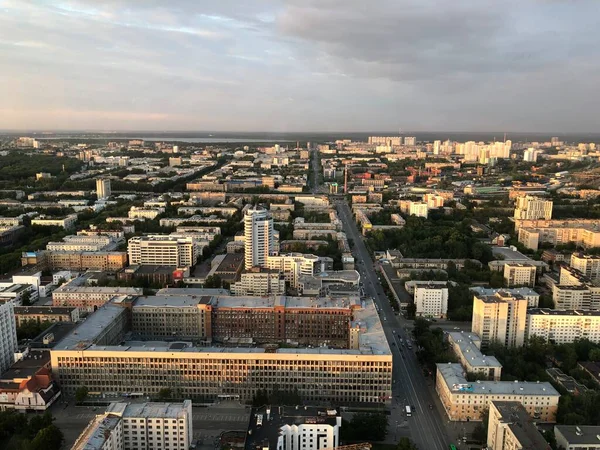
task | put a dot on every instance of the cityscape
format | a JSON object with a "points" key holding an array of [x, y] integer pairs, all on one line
{"points": [[299, 225]]}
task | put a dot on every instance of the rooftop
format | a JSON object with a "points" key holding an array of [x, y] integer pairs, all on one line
{"points": [[523, 291], [509, 253], [44, 309], [97, 432], [467, 345], [580, 435], [454, 378], [520, 423], [149, 410]]}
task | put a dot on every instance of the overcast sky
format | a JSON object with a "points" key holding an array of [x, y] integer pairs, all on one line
{"points": [[305, 65]]}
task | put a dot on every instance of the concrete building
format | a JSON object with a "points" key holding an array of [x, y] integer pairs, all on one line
{"points": [[142, 212], [259, 237], [83, 244], [584, 235], [500, 318], [67, 222], [293, 265], [519, 274], [139, 426], [8, 335], [94, 354], [80, 261], [563, 326], [259, 281], [510, 427], [532, 208], [532, 297], [419, 209], [103, 188], [467, 348], [162, 250], [577, 437], [431, 301], [90, 298], [45, 314], [467, 401], [588, 265], [311, 432]]}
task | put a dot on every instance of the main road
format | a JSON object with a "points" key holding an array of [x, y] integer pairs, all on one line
{"points": [[410, 386]]}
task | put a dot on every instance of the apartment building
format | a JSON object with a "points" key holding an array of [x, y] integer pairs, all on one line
{"points": [[431, 301], [577, 437], [259, 237], [141, 426], [510, 427], [76, 260], [345, 376], [90, 298], [83, 244], [45, 314], [532, 208], [8, 335], [467, 401], [519, 274], [259, 281], [162, 250], [103, 188], [142, 212], [563, 326], [293, 265], [433, 200], [467, 348], [588, 265], [532, 297], [67, 222], [500, 318], [587, 236]]}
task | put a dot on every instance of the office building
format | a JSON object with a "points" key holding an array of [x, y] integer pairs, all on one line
{"points": [[467, 401], [78, 261], [532, 208], [577, 437], [294, 265], [259, 238], [139, 426], [90, 298], [500, 318], [94, 354], [162, 250], [563, 326], [8, 335], [510, 427], [519, 274], [78, 243], [588, 265], [431, 301], [467, 348], [103, 188]]}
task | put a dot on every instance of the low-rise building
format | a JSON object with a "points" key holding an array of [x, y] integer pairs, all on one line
{"points": [[67, 222], [577, 437], [467, 348], [90, 298], [467, 401], [510, 427], [259, 281], [45, 314]]}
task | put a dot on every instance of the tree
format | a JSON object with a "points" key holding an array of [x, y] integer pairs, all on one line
{"points": [[481, 429], [365, 427], [213, 281], [165, 394], [49, 438], [81, 394], [26, 298], [594, 354], [406, 444]]}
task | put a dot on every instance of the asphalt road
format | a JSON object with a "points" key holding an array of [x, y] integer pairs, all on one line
{"points": [[410, 385]]}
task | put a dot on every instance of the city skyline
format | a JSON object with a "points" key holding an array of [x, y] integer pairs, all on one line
{"points": [[272, 65]]}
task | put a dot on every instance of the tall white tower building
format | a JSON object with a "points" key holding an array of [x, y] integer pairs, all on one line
{"points": [[103, 188], [259, 237], [8, 335]]}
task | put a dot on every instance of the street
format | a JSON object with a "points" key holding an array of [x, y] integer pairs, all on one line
{"points": [[410, 386]]}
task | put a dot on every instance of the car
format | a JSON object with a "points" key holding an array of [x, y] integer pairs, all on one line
{"points": [[430, 406], [456, 328]]}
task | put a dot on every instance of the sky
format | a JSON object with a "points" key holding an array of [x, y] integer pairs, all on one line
{"points": [[300, 65]]}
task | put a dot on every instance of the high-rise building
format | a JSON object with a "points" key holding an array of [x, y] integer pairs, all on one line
{"points": [[588, 265], [530, 155], [500, 318], [410, 141], [431, 301], [533, 208], [436, 147], [259, 237], [8, 335], [103, 188]]}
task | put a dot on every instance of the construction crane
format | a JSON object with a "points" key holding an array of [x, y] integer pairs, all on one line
{"points": [[361, 446]]}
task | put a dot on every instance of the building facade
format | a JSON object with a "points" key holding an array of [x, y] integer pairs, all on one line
{"points": [[563, 326], [103, 188], [259, 237], [162, 250], [500, 318], [511, 428], [8, 335], [532, 208], [431, 301], [519, 274], [45, 314]]}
